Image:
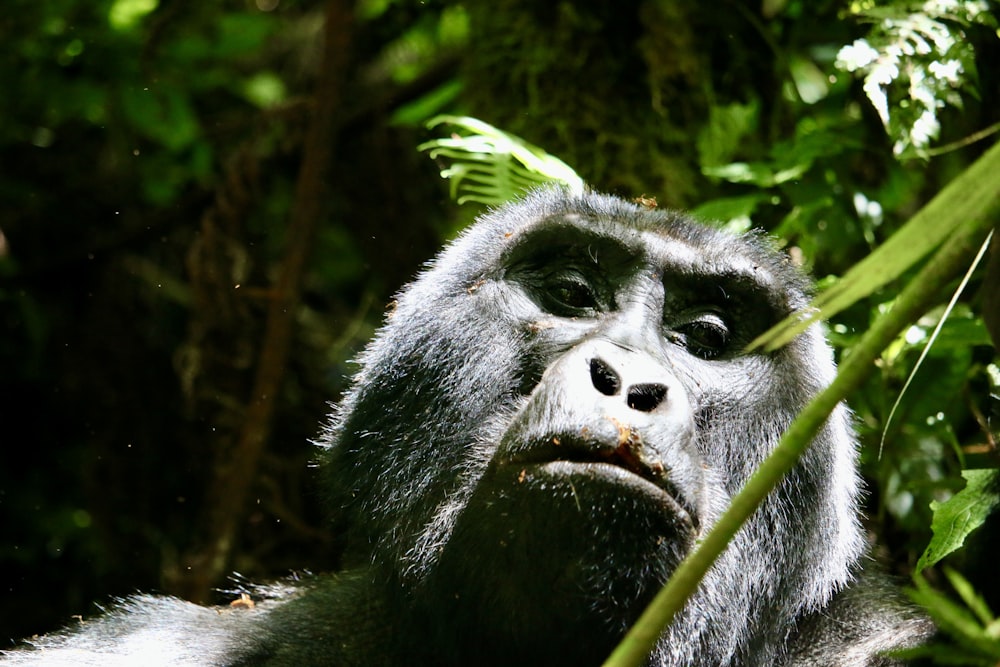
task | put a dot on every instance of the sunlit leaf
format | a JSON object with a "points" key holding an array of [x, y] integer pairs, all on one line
{"points": [[489, 166], [126, 13], [956, 518], [913, 65], [265, 89]]}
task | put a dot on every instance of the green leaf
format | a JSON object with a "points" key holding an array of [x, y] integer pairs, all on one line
{"points": [[265, 89], [757, 173], [427, 105], [734, 212], [722, 137], [975, 645], [162, 114], [811, 83], [242, 33], [959, 516], [969, 596], [125, 14], [489, 166], [963, 333]]}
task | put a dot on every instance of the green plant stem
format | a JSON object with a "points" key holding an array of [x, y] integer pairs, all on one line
{"points": [[918, 296]]}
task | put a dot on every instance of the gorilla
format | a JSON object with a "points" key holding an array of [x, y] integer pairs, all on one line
{"points": [[553, 414]]}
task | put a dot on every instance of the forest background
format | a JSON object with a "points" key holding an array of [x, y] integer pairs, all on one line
{"points": [[205, 209]]}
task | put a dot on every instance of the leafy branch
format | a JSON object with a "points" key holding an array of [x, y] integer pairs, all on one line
{"points": [[920, 54]]}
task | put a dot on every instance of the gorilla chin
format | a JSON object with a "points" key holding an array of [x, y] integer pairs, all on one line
{"points": [[557, 408], [600, 540]]}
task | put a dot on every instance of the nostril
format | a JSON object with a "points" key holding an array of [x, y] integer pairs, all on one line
{"points": [[604, 378], [646, 397]]}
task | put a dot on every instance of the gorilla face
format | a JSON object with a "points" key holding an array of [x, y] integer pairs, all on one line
{"points": [[555, 412]]}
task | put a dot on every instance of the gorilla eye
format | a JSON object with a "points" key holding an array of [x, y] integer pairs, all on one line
{"points": [[568, 292], [706, 335]]}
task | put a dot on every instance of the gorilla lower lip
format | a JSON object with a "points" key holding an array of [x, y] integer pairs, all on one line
{"points": [[623, 481], [627, 455]]}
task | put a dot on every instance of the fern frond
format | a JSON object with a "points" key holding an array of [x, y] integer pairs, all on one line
{"points": [[489, 166]]}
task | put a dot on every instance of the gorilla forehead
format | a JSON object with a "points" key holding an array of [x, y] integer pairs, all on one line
{"points": [[666, 241]]}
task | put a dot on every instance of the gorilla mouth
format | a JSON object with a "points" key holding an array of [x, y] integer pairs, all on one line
{"points": [[625, 466]]}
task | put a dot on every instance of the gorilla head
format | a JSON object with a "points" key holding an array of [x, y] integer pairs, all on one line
{"points": [[555, 412]]}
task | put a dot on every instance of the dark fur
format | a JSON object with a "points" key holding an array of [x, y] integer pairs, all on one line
{"points": [[466, 549]]}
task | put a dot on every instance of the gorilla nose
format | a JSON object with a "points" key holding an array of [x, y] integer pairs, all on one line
{"points": [[641, 396]]}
